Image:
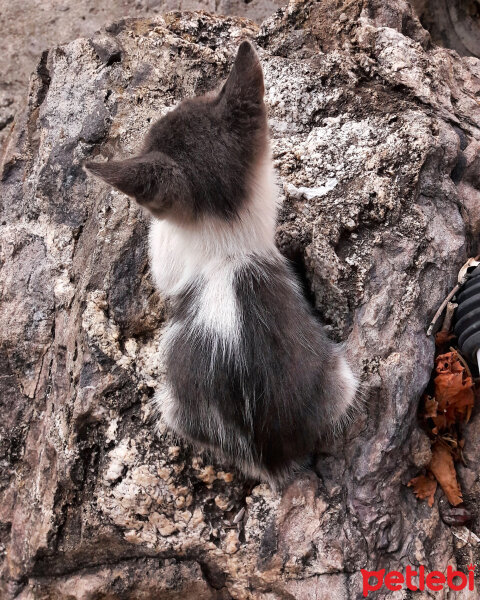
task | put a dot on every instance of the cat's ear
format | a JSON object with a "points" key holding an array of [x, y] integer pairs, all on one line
{"points": [[137, 177], [153, 180], [245, 81]]}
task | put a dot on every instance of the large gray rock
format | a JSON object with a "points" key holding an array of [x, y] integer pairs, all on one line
{"points": [[375, 138], [31, 26]]}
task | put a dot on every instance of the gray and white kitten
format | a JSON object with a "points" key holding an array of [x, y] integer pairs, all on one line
{"points": [[251, 373]]}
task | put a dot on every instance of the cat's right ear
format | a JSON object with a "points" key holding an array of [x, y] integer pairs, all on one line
{"points": [[153, 180], [245, 82]]}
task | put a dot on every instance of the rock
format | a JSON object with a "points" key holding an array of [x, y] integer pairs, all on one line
{"points": [[32, 26], [454, 24], [375, 140]]}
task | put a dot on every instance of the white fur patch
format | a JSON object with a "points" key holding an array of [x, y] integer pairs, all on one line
{"points": [[348, 386], [349, 382], [218, 310], [213, 250], [166, 404]]}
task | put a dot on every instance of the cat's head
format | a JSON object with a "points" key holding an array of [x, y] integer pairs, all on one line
{"points": [[199, 159]]}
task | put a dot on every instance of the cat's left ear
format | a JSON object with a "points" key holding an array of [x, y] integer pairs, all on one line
{"points": [[154, 180], [135, 177], [245, 81]]}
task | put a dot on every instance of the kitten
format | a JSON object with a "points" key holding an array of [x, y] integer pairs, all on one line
{"points": [[251, 373]]}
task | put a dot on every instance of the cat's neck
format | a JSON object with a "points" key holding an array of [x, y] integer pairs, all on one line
{"points": [[252, 232], [181, 252]]}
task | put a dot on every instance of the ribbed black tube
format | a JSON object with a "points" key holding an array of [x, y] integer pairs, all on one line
{"points": [[467, 316]]}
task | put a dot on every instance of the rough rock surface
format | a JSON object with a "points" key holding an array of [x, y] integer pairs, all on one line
{"points": [[452, 23], [31, 26], [376, 137]]}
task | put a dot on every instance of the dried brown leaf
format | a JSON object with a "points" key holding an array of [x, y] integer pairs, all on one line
{"points": [[424, 487], [442, 338], [430, 407], [443, 469], [453, 391]]}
